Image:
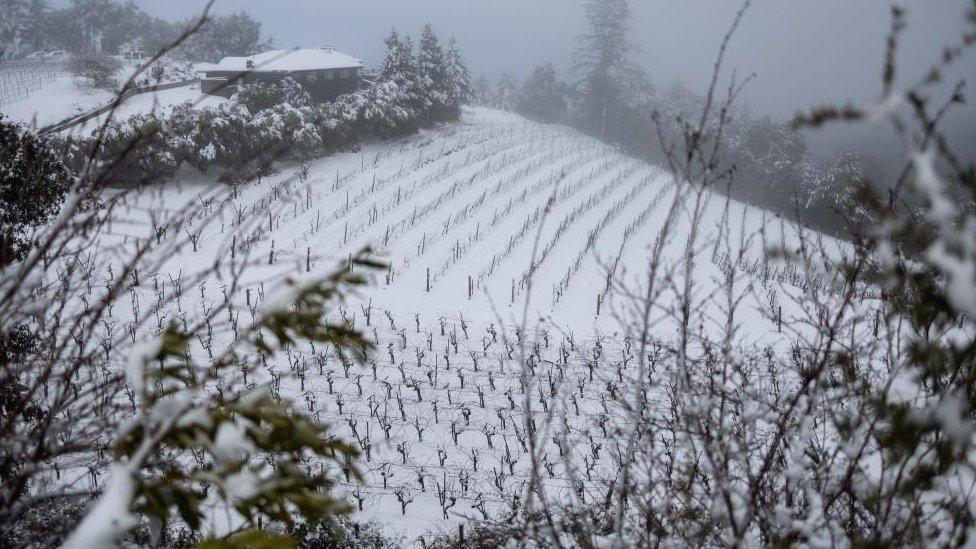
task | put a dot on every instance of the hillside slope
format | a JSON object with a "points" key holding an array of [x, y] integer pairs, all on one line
{"points": [[464, 213], [457, 211]]}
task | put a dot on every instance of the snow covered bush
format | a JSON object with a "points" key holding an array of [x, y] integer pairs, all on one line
{"points": [[258, 96], [103, 71], [137, 151], [297, 128], [342, 534], [185, 137], [33, 182]]}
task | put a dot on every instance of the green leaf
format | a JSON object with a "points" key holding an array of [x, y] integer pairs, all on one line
{"points": [[251, 539]]}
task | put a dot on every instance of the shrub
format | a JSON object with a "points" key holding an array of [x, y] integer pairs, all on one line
{"points": [[46, 524], [341, 534], [137, 150], [33, 183], [260, 96], [101, 70]]}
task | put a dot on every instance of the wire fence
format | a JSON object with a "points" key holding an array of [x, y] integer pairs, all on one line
{"points": [[19, 79]]}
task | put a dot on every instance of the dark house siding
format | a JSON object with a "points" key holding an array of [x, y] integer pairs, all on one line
{"points": [[322, 85]]}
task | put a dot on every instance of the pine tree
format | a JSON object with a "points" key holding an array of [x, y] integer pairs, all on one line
{"points": [[432, 68], [602, 62], [543, 96], [505, 94], [400, 77], [482, 91], [460, 90]]}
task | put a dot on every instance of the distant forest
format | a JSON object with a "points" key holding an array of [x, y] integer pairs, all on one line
{"points": [[811, 178], [104, 26]]}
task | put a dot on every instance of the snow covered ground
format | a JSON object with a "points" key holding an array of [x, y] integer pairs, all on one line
{"points": [[69, 95], [156, 102], [66, 96], [464, 214], [459, 212]]}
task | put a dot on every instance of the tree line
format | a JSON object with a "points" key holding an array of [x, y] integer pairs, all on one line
{"points": [[102, 27], [613, 99]]}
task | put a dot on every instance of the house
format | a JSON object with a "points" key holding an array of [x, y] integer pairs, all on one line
{"points": [[130, 52], [325, 73]]}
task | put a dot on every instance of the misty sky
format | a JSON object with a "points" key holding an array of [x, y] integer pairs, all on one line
{"points": [[804, 52]]}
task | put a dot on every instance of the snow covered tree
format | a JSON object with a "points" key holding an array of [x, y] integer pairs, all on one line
{"points": [[237, 34], [504, 96], [433, 73], [33, 182], [482, 91], [543, 96], [606, 73], [94, 18], [23, 27], [460, 90], [402, 78]]}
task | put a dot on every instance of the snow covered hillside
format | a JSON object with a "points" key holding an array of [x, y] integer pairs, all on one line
{"points": [[457, 212], [465, 215]]}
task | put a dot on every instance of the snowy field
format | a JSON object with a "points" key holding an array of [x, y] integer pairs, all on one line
{"points": [[465, 215], [68, 95], [457, 212]]}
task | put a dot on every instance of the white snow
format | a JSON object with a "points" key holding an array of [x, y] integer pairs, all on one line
{"points": [[456, 211], [287, 61], [242, 485], [230, 442], [110, 518], [65, 97], [139, 358]]}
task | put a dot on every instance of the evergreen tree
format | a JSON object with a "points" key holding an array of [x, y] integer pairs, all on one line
{"points": [[505, 94], [482, 91], [236, 34], [543, 96], [460, 90], [12, 18], [33, 183], [602, 62], [433, 74], [400, 76]]}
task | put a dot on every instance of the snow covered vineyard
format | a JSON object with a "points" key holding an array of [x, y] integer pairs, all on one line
{"points": [[466, 216], [456, 213]]}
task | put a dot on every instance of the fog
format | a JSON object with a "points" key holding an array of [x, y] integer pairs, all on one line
{"points": [[803, 53]]}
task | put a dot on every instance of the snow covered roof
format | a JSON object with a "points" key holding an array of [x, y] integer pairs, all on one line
{"points": [[288, 61]]}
